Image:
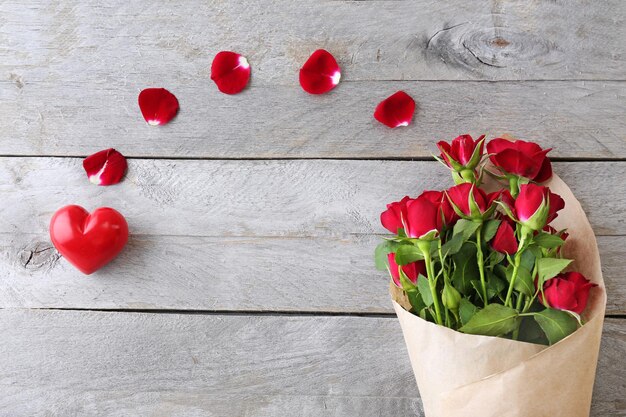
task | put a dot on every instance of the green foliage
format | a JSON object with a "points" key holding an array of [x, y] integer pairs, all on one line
{"points": [[549, 268], [490, 228], [466, 268], [493, 320], [380, 254], [453, 245], [405, 254], [465, 227], [547, 240], [466, 310], [523, 281], [424, 289], [556, 324], [412, 293]]}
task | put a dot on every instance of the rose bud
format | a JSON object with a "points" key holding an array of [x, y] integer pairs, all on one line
{"points": [[423, 219], [448, 215], [462, 155], [504, 241], [106, 167], [412, 270], [450, 297], [520, 158], [536, 206], [391, 219], [471, 202], [568, 291]]}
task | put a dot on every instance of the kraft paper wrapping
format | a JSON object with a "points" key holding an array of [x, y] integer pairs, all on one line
{"points": [[461, 375]]}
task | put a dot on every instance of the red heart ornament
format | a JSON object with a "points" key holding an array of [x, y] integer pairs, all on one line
{"points": [[88, 241]]}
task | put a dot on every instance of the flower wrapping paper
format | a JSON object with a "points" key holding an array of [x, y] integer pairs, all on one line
{"points": [[463, 375]]}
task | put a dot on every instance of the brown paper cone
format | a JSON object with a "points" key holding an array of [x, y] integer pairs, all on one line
{"points": [[462, 375]]}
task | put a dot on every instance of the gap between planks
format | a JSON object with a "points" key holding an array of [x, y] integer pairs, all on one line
{"points": [[261, 313], [301, 158]]}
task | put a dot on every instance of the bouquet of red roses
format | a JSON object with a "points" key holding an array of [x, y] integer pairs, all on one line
{"points": [[485, 258]]}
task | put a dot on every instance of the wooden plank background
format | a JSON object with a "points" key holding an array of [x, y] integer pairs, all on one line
{"points": [[248, 286]]}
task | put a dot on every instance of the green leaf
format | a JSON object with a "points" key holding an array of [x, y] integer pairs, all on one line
{"points": [[524, 282], [548, 241], [405, 254], [411, 292], [494, 284], [535, 250], [466, 227], [493, 320], [529, 331], [466, 310], [490, 228], [452, 246], [424, 289], [556, 324], [466, 268], [381, 252], [528, 260], [550, 267]]}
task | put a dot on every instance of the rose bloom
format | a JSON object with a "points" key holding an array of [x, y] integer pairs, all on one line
{"points": [[525, 159], [504, 241], [391, 219], [567, 291], [462, 152], [412, 270], [423, 218], [446, 211], [536, 206], [471, 201]]}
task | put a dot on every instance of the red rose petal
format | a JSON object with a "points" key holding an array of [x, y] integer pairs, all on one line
{"points": [[396, 110], [106, 167], [158, 106], [320, 73], [230, 72]]}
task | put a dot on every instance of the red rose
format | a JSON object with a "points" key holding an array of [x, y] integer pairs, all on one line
{"points": [[463, 153], [412, 270], [525, 159], [504, 241], [423, 219], [536, 206], [391, 218], [447, 213], [471, 202], [568, 291]]}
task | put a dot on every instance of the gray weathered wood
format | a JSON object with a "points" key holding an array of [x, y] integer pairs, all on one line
{"points": [[262, 198], [95, 363], [578, 119], [226, 274], [94, 42]]}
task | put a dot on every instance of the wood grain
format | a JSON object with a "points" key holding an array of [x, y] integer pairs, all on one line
{"points": [[262, 198], [94, 42], [192, 365], [577, 119], [226, 274]]}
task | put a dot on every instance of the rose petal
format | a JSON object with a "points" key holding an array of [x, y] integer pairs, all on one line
{"points": [[230, 72], [158, 106], [396, 110], [106, 167], [320, 73]]}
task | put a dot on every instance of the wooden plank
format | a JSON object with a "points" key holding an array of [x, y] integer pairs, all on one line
{"points": [[577, 119], [262, 198], [95, 363], [226, 274], [92, 42]]}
